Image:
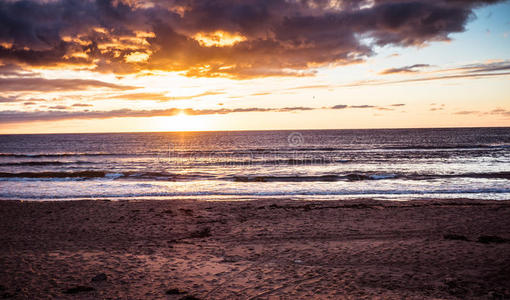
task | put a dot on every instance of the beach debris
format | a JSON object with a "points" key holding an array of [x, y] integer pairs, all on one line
{"points": [[78, 289], [201, 233], [99, 277], [487, 239], [455, 237]]}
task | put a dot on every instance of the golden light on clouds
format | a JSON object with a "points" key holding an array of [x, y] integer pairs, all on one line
{"points": [[218, 39], [136, 57]]}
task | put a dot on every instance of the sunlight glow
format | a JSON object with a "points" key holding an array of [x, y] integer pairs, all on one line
{"points": [[218, 39], [136, 57], [180, 122]]}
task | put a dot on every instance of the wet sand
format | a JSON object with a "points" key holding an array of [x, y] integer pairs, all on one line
{"points": [[265, 249]]}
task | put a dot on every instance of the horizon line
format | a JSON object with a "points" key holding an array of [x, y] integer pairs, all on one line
{"points": [[255, 130]]}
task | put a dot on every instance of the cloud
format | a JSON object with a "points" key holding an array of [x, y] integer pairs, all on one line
{"points": [[406, 69], [461, 72], [384, 108], [299, 108], [50, 85], [497, 111], [467, 112], [59, 107], [10, 116], [8, 99], [142, 96], [362, 106], [22, 116], [261, 94], [340, 106], [207, 93], [485, 67], [82, 105], [162, 97], [12, 70], [240, 39], [17, 98], [500, 111]]}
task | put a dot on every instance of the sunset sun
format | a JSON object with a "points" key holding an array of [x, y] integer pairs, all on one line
{"points": [[180, 122]]}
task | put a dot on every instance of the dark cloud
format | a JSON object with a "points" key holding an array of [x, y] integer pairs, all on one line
{"points": [[407, 69], [398, 104], [49, 85], [362, 106], [267, 38], [340, 106], [59, 107], [485, 67], [82, 105]]}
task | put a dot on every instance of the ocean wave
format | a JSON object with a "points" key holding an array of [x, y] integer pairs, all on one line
{"points": [[326, 178], [166, 176], [42, 163], [269, 150], [57, 155], [78, 174], [255, 194], [92, 174], [366, 176], [445, 147]]}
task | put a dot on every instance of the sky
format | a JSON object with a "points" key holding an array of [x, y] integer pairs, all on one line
{"points": [[71, 66]]}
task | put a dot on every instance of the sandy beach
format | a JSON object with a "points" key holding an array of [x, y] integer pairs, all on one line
{"points": [[266, 249]]}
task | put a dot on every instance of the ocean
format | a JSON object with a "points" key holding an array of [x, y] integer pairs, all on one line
{"points": [[395, 164]]}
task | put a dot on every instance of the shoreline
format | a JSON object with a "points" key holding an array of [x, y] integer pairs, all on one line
{"points": [[236, 199], [167, 249]]}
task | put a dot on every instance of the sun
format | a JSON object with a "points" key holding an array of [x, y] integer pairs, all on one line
{"points": [[181, 122]]}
